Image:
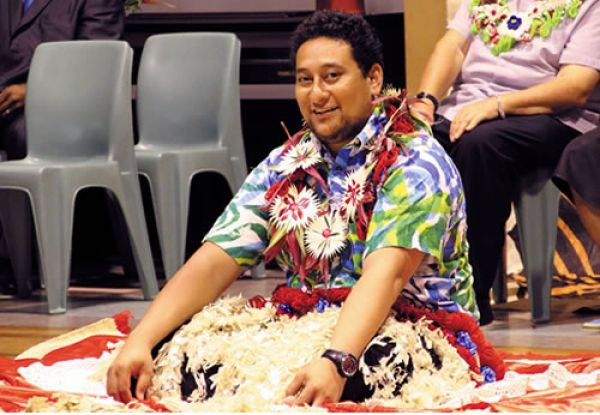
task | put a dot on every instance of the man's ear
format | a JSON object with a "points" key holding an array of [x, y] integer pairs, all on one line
{"points": [[375, 79]]}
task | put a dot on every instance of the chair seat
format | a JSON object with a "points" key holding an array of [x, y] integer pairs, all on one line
{"points": [[92, 172], [194, 158]]}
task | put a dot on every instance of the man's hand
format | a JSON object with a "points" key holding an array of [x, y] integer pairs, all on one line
{"points": [[471, 115], [134, 361], [315, 384], [12, 98]]}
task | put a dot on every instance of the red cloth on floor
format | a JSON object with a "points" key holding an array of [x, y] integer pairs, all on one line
{"points": [[15, 391]]}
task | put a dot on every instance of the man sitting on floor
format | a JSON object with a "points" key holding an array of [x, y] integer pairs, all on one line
{"points": [[363, 197]]}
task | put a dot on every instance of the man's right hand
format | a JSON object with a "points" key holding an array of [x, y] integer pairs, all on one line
{"points": [[12, 98], [133, 361]]}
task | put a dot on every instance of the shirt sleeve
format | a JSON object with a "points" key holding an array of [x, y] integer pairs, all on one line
{"points": [[241, 230], [413, 210], [583, 46], [461, 22]]}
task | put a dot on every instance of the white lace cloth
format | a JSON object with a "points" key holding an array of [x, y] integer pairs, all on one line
{"points": [[516, 384]]}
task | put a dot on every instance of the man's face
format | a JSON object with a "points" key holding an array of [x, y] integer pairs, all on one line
{"points": [[334, 97]]}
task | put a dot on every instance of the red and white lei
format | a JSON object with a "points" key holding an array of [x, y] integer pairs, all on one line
{"points": [[314, 232]]}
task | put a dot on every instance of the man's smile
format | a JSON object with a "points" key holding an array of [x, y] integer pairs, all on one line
{"points": [[324, 110]]}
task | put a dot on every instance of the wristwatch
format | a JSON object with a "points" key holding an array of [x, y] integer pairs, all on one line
{"points": [[431, 98], [346, 363]]}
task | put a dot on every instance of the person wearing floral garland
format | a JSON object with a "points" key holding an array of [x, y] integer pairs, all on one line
{"points": [[523, 75], [363, 197]]}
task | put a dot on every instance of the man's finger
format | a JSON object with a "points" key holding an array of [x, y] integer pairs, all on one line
{"points": [[142, 384], [320, 400], [6, 105], [306, 396], [125, 393], [123, 385], [295, 386]]}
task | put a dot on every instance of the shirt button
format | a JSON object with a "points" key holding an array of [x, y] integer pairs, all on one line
{"points": [[339, 168]]}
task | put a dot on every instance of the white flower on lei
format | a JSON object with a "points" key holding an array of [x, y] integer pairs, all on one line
{"points": [[536, 10], [326, 236], [294, 209], [515, 25], [490, 11], [301, 156], [354, 190]]}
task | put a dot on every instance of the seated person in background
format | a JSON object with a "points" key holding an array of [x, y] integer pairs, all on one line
{"points": [[26, 24], [578, 176], [521, 73], [364, 198]]}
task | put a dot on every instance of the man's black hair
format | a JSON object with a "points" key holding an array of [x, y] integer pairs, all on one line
{"points": [[351, 28]]}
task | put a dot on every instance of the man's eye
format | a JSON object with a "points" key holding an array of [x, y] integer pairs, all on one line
{"points": [[303, 80], [332, 76]]}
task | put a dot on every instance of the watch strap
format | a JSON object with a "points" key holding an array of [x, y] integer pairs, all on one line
{"points": [[338, 358], [434, 100]]}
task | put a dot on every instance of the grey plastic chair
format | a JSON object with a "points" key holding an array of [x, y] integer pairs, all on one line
{"points": [[188, 106], [537, 213], [79, 134]]}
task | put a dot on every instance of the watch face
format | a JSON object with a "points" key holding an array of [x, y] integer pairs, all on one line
{"points": [[349, 366]]}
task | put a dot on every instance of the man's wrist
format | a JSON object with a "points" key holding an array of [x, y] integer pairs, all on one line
{"points": [[345, 363]]}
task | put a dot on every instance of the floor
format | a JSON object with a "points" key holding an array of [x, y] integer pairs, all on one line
{"points": [[511, 330]]}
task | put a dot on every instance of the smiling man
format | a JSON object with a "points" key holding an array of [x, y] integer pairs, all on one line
{"points": [[362, 198]]}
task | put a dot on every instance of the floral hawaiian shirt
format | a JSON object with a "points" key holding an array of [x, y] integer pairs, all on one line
{"points": [[419, 206]]}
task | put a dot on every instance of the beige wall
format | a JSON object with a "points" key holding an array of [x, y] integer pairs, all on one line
{"points": [[424, 24]]}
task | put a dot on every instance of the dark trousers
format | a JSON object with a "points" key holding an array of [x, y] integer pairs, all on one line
{"points": [[12, 135], [15, 215], [491, 158]]}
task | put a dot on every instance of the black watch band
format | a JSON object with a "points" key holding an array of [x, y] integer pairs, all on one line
{"points": [[434, 100], [346, 363]]}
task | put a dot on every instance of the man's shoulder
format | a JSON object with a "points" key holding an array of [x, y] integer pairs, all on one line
{"points": [[424, 164]]}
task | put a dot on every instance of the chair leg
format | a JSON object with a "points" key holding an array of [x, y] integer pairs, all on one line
{"points": [[133, 212], [259, 271], [53, 218], [537, 214], [16, 222], [170, 194], [119, 227]]}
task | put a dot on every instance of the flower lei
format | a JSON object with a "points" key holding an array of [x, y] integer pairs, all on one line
{"points": [[460, 329], [503, 28], [314, 232]]}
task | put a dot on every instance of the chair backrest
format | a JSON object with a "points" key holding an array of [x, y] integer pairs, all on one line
{"points": [[78, 102], [188, 90]]}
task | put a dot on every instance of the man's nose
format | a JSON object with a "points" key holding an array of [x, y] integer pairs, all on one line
{"points": [[319, 91]]}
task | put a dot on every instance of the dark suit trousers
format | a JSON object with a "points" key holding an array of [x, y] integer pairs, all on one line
{"points": [[490, 159], [15, 212], [12, 135]]}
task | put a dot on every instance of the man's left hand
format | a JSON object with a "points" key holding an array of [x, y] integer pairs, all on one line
{"points": [[12, 98], [471, 115], [316, 384]]}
